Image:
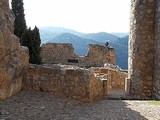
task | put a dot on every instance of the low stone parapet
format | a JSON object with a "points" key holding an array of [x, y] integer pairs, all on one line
{"points": [[68, 81], [82, 84]]}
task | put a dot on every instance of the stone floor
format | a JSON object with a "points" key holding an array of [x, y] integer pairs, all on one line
{"points": [[116, 94], [43, 106]]}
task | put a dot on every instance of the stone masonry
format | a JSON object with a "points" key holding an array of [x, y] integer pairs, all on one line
{"points": [[76, 83], [144, 49], [113, 78], [61, 53], [141, 48], [57, 53], [98, 55], [156, 84], [70, 81], [13, 57], [83, 84]]}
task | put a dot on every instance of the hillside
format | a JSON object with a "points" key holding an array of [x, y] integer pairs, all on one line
{"points": [[101, 36], [48, 33], [121, 47], [80, 44], [80, 41], [121, 35]]}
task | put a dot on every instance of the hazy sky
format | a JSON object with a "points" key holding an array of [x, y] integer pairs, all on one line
{"points": [[80, 15]]}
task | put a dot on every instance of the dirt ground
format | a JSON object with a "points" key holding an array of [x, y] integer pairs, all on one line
{"points": [[43, 106]]}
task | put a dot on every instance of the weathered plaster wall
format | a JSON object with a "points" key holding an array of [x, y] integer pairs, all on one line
{"points": [[60, 53], [141, 48], [156, 89], [13, 57]]}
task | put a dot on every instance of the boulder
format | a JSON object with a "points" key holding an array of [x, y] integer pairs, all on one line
{"points": [[13, 57]]}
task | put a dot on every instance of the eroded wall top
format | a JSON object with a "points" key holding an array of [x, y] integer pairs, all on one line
{"points": [[64, 53]]}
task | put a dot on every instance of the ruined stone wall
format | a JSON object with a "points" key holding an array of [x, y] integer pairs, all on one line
{"points": [[113, 78], [141, 48], [57, 53], [70, 82], [99, 55], [97, 86], [13, 57], [118, 79], [156, 89], [81, 84], [60, 53], [144, 61]]}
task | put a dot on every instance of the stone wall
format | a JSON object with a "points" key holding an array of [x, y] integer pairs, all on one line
{"points": [[99, 55], [70, 82], [117, 79], [113, 77], [81, 84], [141, 48], [57, 53], [85, 84], [156, 89], [61, 53], [13, 57]]}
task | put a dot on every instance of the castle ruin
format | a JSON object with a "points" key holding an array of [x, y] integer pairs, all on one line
{"points": [[97, 55], [143, 78]]}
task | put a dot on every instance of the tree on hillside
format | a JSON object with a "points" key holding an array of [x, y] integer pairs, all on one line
{"points": [[20, 22], [31, 39]]}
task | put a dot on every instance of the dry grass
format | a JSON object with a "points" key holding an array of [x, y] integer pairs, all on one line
{"points": [[154, 102]]}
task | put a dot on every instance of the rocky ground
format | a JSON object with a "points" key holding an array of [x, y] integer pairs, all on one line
{"points": [[43, 106]]}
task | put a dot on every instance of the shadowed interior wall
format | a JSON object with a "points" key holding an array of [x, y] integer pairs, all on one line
{"points": [[156, 88]]}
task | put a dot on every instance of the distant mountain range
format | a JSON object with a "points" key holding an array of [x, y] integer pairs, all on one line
{"points": [[80, 41], [120, 34], [80, 44]]}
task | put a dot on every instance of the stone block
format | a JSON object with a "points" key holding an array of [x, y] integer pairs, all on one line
{"points": [[13, 58]]}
